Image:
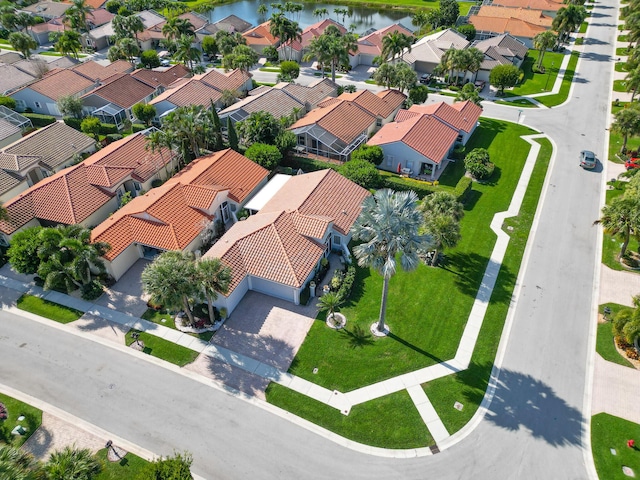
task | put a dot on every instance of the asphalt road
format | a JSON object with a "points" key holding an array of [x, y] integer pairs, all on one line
{"points": [[534, 426]]}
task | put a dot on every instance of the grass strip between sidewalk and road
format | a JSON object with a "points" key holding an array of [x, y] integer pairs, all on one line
{"points": [[609, 432], [605, 343], [163, 349], [425, 336], [16, 408], [166, 320], [47, 309], [561, 97], [130, 466]]}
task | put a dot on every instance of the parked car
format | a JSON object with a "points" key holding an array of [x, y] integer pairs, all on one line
{"points": [[425, 78], [587, 159], [479, 84], [632, 163]]}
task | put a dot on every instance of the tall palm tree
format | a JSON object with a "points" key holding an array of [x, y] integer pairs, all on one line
{"points": [[171, 280], [626, 123], [621, 217], [332, 48], [23, 43], [385, 75], [175, 27], [156, 143], [389, 226], [213, 278], [632, 82], [471, 60], [284, 29], [542, 42], [320, 12], [186, 52], [393, 44], [567, 20], [262, 9], [128, 48], [72, 464], [442, 203], [69, 43], [16, 464], [77, 15]]}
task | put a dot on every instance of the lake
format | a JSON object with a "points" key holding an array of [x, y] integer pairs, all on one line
{"points": [[364, 18]]}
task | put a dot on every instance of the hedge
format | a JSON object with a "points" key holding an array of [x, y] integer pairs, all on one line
{"points": [[463, 187], [73, 122], [138, 127], [39, 120], [105, 128], [108, 129]]}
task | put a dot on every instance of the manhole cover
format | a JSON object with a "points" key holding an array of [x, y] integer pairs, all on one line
{"points": [[628, 472], [434, 449]]}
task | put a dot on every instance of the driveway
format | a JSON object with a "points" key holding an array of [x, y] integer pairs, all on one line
{"points": [[264, 328], [126, 295]]}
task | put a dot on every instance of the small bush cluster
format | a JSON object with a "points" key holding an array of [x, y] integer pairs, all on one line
{"points": [[347, 282], [3, 412], [92, 290], [478, 163], [628, 349], [322, 271]]}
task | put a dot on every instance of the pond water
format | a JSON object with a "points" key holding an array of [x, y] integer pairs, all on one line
{"points": [[363, 18]]}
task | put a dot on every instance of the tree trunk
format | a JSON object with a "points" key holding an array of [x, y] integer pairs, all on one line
{"points": [[383, 304], [633, 94], [625, 244], [333, 71], [212, 317], [434, 259], [187, 309], [624, 143]]}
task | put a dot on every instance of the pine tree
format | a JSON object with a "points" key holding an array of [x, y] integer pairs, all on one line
{"points": [[232, 136], [217, 129]]}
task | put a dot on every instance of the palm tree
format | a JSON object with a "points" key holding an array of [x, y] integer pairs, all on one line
{"points": [[443, 203], [128, 48], [567, 20], [72, 464], [385, 75], [172, 281], [542, 42], [186, 52], [320, 12], [621, 217], [213, 278], [329, 302], [442, 214], [156, 143], [175, 27], [471, 60], [626, 123], [284, 29], [69, 43], [16, 464], [389, 225], [469, 93], [77, 15], [262, 9], [332, 48], [22, 43], [450, 61], [632, 82], [393, 44]]}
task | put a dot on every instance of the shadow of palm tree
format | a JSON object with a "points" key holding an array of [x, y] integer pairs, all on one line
{"points": [[414, 348], [357, 337], [470, 270], [522, 401]]}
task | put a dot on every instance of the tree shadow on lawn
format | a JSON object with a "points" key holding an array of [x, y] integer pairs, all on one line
{"points": [[471, 199], [414, 348], [469, 270], [485, 134], [523, 401], [357, 337]]}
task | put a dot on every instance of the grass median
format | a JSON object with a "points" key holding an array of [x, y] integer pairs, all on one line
{"points": [[47, 309], [561, 97], [607, 433], [429, 307], [130, 466], [163, 349]]}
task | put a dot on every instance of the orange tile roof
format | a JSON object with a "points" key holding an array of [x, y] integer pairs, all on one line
{"points": [[345, 120], [95, 71], [170, 217], [426, 134], [99, 16], [232, 80], [123, 90], [192, 92], [318, 29], [73, 194], [514, 26], [535, 17], [549, 5], [461, 115], [156, 78], [260, 35], [381, 104], [92, 3], [372, 44], [61, 82]]}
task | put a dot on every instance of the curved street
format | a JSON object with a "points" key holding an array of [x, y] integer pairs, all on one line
{"points": [[535, 425]]}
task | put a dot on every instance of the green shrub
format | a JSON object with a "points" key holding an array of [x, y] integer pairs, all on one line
{"points": [[362, 172], [39, 120], [405, 184], [73, 122], [370, 153], [7, 102], [290, 69], [419, 94], [156, 182], [347, 282], [108, 128], [265, 155], [92, 290], [478, 164], [113, 137], [138, 127], [463, 187]]}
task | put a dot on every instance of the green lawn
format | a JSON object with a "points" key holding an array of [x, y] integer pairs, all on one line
{"points": [[47, 309], [604, 343], [622, 51], [538, 82], [621, 67], [16, 408], [583, 27], [520, 102], [164, 349], [611, 244], [129, 467], [619, 86], [426, 323], [270, 69], [561, 97], [165, 319], [623, 38], [609, 432]]}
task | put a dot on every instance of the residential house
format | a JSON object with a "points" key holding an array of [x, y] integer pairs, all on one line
{"points": [[12, 78], [231, 24], [41, 31], [47, 9], [234, 80], [384, 105], [370, 46], [153, 35], [281, 100], [112, 102], [420, 139], [87, 193], [548, 7], [278, 250], [334, 129], [172, 216], [39, 67], [500, 50], [260, 37], [39, 155], [426, 54], [521, 23], [41, 96], [296, 50], [98, 17], [97, 72], [101, 37], [9, 133], [183, 94], [160, 78]]}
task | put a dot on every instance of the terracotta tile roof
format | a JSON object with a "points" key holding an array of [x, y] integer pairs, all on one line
{"points": [[260, 35], [164, 218], [549, 5], [123, 90], [95, 3], [426, 134], [61, 82], [514, 26], [345, 120], [372, 44], [52, 146], [381, 104], [462, 116], [54, 25], [158, 77], [228, 168], [233, 80], [318, 29], [277, 102], [324, 194], [293, 44], [75, 193], [170, 217], [535, 17], [192, 92], [403, 115], [97, 72], [99, 16]]}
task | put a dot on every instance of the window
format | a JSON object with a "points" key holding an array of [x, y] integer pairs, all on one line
{"points": [[21, 105], [37, 104], [378, 122], [300, 139], [45, 173], [389, 161], [337, 240], [137, 186], [3, 241], [410, 164], [459, 139]]}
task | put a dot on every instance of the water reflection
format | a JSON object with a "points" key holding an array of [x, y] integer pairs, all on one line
{"points": [[363, 18]]}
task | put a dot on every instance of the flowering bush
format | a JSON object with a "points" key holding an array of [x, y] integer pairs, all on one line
{"points": [[3, 412]]}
